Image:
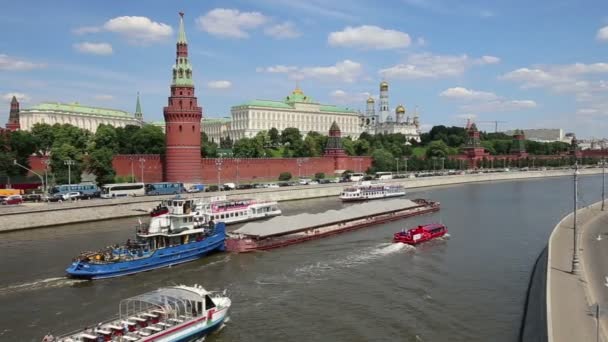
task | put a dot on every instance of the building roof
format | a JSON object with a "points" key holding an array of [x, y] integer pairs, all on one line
{"points": [[78, 109], [297, 96], [181, 35], [334, 127], [215, 120], [138, 105]]}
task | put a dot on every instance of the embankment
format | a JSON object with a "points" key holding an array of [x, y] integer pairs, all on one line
{"points": [[45, 215]]}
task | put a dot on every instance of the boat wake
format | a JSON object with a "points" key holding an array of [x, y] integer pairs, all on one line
{"points": [[372, 254], [40, 284]]}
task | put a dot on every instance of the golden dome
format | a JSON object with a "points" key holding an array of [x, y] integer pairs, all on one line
{"points": [[400, 109], [370, 100], [298, 91], [383, 85]]}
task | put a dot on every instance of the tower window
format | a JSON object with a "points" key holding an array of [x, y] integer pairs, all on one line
{"points": [[180, 92], [180, 128], [192, 128]]}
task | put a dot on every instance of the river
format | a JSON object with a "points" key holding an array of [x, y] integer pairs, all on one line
{"points": [[358, 286]]}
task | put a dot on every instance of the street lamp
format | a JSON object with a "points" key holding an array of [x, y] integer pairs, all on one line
{"points": [[603, 182], [397, 160], [237, 161], [575, 263], [69, 163], [142, 161], [299, 161], [47, 162], [434, 160], [218, 164], [405, 160], [32, 171], [442, 159], [132, 173]]}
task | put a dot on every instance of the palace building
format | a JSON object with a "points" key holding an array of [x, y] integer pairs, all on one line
{"points": [[295, 110], [81, 116]]}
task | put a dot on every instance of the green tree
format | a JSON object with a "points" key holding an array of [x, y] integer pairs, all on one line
{"points": [[100, 164], [106, 137], [275, 137], [382, 160], [349, 146], [437, 148], [149, 139], [285, 176], [71, 135], [319, 175], [43, 135], [124, 136], [291, 136], [22, 146], [362, 147], [61, 153]]}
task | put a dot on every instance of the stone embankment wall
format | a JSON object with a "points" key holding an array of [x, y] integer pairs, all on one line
{"points": [[44, 215]]}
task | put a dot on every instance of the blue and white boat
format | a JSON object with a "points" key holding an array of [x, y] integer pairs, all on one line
{"points": [[175, 234], [170, 314]]}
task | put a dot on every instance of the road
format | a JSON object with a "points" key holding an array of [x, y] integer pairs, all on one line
{"points": [[595, 262]]}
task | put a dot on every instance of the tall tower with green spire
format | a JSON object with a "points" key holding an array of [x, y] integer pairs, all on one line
{"points": [[138, 114], [182, 119]]}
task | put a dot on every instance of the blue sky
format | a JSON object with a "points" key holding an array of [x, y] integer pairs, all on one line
{"points": [[529, 63]]}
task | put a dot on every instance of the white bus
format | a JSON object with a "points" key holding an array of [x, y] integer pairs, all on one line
{"points": [[123, 190], [384, 175], [356, 176]]}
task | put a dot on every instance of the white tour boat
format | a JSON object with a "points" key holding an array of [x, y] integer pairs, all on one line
{"points": [[220, 209], [176, 313], [367, 190]]}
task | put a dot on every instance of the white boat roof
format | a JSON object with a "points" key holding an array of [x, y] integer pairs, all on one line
{"points": [[286, 224]]}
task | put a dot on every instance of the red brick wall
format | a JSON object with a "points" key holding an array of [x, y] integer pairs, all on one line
{"points": [[37, 163], [153, 167]]}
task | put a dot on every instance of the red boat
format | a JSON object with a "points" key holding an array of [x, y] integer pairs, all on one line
{"points": [[420, 234]]}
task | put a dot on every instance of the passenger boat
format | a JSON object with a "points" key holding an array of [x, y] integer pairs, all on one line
{"points": [[288, 230], [176, 313], [421, 234], [175, 234], [367, 191], [230, 211]]}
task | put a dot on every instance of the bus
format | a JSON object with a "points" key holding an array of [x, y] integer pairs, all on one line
{"points": [[86, 190], [165, 188], [10, 192], [123, 190], [356, 176], [384, 175]]}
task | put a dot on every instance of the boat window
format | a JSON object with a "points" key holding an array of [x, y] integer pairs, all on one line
{"points": [[185, 219], [209, 304]]}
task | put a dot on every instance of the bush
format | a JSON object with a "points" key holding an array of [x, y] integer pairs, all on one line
{"points": [[319, 175], [285, 176]]}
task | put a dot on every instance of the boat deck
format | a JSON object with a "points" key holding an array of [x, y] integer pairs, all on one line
{"points": [[283, 225]]}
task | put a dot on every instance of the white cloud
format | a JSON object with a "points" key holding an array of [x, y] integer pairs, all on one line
{"points": [[461, 93], [103, 97], [427, 65], [420, 41], [138, 29], [345, 71], [230, 23], [94, 48], [277, 69], [369, 37], [602, 34], [87, 29], [483, 101], [12, 64], [343, 97], [219, 84], [21, 97], [286, 30], [466, 116]]}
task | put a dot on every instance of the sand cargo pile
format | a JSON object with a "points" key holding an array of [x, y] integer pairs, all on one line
{"points": [[287, 230]]}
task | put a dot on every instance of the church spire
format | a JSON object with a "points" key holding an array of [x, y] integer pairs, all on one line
{"points": [[181, 36], [138, 114]]}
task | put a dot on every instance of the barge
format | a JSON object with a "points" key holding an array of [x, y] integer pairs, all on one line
{"points": [[288, 230]]}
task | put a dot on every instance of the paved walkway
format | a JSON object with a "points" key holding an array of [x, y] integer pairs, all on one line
{"points": [[570, 299]]}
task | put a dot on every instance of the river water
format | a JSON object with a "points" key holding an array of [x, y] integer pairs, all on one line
{"points": [[357, 286]]}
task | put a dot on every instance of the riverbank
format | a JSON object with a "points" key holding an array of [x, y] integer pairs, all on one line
{"points": [[46, 215], [571, 298]]}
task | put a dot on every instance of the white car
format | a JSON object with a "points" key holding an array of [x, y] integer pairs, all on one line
{"points": [[71, 196], [304, 181], [273, 185], [313, 183]]}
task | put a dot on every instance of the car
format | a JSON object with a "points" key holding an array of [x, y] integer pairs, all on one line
{"points": [[313, 183], [323, 181], [13, 199], [304, 181], [244, 186], [71, 196], [273, 185], [33, 198]]}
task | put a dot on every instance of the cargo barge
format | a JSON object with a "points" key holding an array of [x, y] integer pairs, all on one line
{"points": [[288, 230]]}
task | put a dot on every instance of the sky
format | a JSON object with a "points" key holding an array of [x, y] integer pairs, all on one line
{"points": [[527, 64]]}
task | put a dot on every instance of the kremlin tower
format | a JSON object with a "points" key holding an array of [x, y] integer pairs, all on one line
{"points": [[182, 120], [13, 117]]}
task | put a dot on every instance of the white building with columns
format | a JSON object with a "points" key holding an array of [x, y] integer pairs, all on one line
{"points": [[296, 110], [81, 116]]}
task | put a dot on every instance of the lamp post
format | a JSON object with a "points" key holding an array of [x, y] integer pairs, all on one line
{"points": [[434, 160], [32, 171], [142, 161], [237, 161], [442, 159], [405, 160], [299, 161], [218, 164], [575, 263], [603, 182], [397, 160], [132, 173], [47, 162], [69, 163]]}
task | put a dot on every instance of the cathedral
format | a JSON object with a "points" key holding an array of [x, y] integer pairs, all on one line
{"points": [[385, 123]]}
